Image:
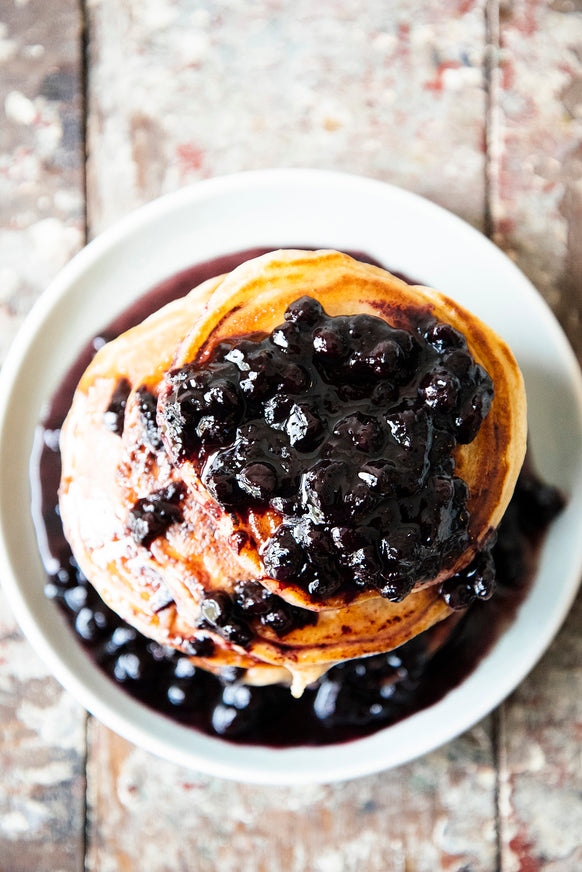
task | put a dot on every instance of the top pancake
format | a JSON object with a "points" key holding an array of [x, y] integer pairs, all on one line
{"points": [[252, 301], [159, 586]]}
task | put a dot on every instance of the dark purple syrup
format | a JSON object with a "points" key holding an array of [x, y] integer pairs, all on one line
{"points": [[345, 426], [354, 698]]}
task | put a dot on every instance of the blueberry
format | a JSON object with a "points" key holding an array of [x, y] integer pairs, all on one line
{"points": [[474, 409], [443, 490], [151, 516], [277, 410], [293, 378], [329, 344], [461, 491], [259, 480], [237, 632], [253, 598], [379, 476], [217, 611], [396, 586], [198, 647], [444, 337], [385, 358], [76, 597], [406, 341], [363, 328], [480, 574], [363, 431], [128, 667], [538, 503], [238, 695], [102, 339], [304, 427], [257, 383], [122, 637], [440, 390], [469, 419], [177, 695], [353, 392], [184, 668], [147, 407], [277, 618], [323, 587], [216, 608], [287, 337], [384, 394], [324, 704], [400, 544], [283, 557], [358, 500], [406, 426], [348, 539], [365, 563], [219, 478], [114, 416], [443, 444], [226, 721], [236, 720], [323, 489], [458, 593], [195, 380], [304, 311], [222, 399], [348, 704], [91, 625], [458, 362], [212, 430]]}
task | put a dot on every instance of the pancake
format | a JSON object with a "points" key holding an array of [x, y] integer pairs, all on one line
{"points": [[189, 571]]}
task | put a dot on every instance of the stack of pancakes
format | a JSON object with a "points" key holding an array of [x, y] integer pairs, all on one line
{"points": [[158, 583]]}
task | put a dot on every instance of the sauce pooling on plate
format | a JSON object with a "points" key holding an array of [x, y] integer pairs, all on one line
{"points": [[351, 699]]}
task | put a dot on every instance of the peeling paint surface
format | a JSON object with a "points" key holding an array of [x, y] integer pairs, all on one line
{"points": [[476, 104], [343, 826], [222, 87]]}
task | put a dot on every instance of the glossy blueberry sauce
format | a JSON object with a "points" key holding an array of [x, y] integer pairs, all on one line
{"points": [[354, 698], [346, 426]]}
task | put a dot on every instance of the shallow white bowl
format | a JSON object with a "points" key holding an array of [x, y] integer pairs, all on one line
{"points": [[314, 209]]}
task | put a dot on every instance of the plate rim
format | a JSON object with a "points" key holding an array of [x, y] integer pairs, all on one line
{"points": [[298, 768]]}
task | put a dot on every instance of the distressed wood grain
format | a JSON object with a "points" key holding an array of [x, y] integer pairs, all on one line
{"points": [[537, 218], [41, 152], [386, 90], [42, 730], [411, 819], [180, 91]]}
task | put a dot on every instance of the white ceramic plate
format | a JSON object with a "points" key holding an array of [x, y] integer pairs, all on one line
{"points": [[275, 208]]}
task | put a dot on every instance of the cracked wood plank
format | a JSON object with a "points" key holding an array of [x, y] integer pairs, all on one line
{"points": [[215, 88], [435, 813], [42, 730], [390, 91], [537, 218]]}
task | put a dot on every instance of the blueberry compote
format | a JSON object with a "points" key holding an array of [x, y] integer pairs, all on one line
{"points": [[346, 426], [352, 699]]}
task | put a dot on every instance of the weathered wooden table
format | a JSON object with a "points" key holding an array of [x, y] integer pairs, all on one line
{"points": [[476, 104]]}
